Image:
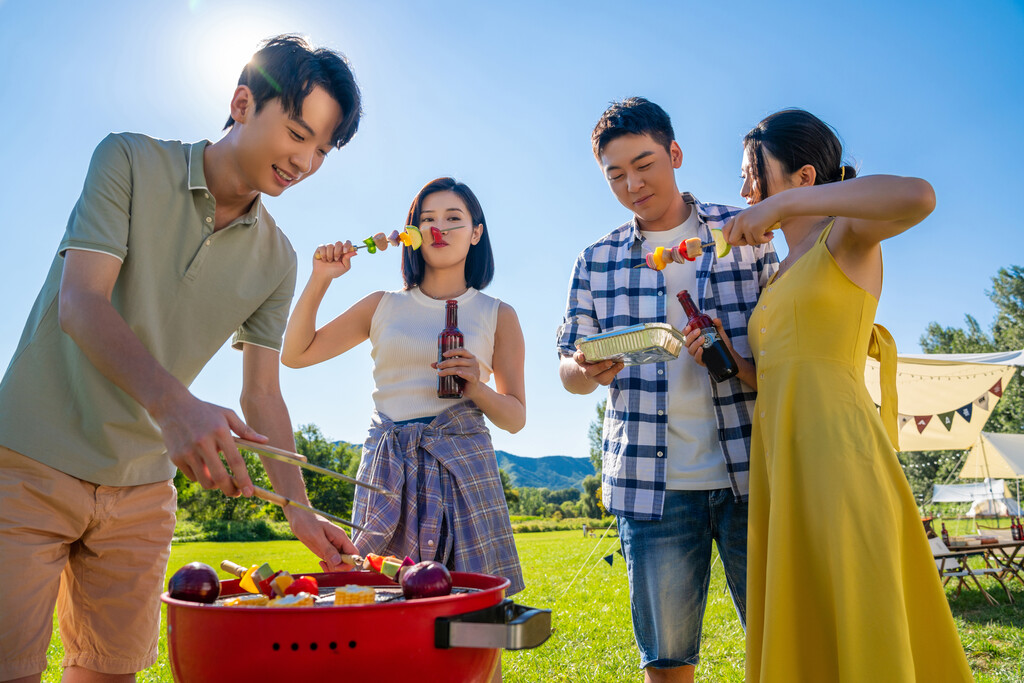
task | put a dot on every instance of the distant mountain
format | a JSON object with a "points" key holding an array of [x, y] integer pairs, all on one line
{"points": [[551, 471]]}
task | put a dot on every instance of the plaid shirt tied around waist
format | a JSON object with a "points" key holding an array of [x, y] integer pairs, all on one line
{"points": [[447, 473], [609, 290]]}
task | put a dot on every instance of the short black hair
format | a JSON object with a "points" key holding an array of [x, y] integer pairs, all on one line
{"points": [[796, 137], [632, 116], [287, 67], [480, 260]]}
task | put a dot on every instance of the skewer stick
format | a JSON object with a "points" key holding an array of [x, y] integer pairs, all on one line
{"points": [[703, 245]]}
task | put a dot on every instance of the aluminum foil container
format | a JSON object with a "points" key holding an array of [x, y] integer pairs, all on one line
{"points": [[635, 345]]}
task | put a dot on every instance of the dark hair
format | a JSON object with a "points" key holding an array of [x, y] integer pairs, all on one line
{"points": [[796, 137], [479, 261], [287, 67], [636, 116]]}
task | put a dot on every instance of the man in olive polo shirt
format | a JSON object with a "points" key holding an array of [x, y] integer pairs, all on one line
{"points": [[168, 252]]}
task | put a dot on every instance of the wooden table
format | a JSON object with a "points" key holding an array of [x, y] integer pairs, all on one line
{"points": [[1000, 562]]}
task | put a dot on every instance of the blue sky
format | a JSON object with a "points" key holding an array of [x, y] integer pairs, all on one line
{"points": [[504, 97]]}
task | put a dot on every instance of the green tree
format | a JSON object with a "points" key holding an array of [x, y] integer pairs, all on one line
{"points": [[530, 501], [327, 493], [208, 505], [925, 468], [561, 495], [595, 434], [1007, 334], [590, 502], [511, 495]]}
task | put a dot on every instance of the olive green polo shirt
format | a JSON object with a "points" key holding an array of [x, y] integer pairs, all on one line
{"points": [[183, 289]]}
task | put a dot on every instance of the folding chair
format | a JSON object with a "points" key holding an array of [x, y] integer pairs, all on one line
{"points": [[955, 566]]}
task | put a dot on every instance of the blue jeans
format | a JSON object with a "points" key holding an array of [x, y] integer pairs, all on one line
{"points": [[669, 565]]}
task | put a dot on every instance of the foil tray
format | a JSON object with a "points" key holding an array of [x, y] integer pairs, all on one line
{"points": [[634, 345]]}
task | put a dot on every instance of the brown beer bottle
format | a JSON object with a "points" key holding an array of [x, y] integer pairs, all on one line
{"points": [[945, 535], [717, 359], [449, 386]]}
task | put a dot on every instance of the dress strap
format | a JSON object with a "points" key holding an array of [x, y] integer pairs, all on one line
{"points": [[882, 348], [824, 233]]}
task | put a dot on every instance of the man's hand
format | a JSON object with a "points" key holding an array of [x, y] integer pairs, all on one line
{"points": [[196, 433], [602, 372], [324, 539], [694, 339]]}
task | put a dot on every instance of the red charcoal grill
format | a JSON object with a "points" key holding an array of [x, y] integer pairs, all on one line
{"points": [[454, 638]]}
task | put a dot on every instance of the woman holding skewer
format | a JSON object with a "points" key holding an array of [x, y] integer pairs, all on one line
{"points": [[436, 452]]}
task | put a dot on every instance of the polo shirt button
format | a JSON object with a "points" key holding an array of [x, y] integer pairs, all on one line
{"points": [[660, 454], [661, 372], [762, 414], [209, 220], [209, 242], [764, 308], [661, 412], [762, 353], [761, 376], [430, 542], [660, 293], [763, 330], [206, 195]]}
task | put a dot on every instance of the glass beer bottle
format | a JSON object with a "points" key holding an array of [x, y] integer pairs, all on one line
{"points": [[449, 386], [716, 357]]}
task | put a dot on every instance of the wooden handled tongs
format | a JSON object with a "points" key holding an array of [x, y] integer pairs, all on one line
{"points": [[300, 461]]}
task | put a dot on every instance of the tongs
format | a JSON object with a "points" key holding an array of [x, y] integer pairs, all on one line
{"points": [[300, 461]]}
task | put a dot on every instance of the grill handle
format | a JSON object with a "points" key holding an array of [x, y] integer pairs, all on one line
{"points": [[503, 626]]}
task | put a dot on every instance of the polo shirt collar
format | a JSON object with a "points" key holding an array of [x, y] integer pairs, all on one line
{"points": [[196, 176], [197, 181], [702, 214]]}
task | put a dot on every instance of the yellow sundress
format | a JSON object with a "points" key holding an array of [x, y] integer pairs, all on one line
{"points": [[841, 584]]}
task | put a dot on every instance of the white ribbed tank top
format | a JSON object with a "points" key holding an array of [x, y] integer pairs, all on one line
{"points": [[404, 332]]}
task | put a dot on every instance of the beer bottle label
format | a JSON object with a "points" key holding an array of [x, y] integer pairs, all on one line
{"points": [[710, 336]]}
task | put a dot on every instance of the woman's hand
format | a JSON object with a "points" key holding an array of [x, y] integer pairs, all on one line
{"points": [[463, 364], [753, 226], [333, 260]]}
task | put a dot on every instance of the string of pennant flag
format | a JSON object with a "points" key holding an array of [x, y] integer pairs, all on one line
{"points": [[965, 411], [931, 462]]}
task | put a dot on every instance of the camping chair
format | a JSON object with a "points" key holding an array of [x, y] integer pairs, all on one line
{"points": [[954, 565]]}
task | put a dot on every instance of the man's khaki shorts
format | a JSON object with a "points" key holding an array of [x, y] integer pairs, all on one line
{"points": [[98, 552]]}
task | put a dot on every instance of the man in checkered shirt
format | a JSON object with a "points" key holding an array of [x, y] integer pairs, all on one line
{"points": [[676, 444]]}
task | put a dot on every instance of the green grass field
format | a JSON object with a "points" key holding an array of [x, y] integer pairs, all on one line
{"points": [[593, 639]]}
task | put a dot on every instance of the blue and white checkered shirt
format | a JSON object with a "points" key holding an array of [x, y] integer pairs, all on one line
{"points": [[607, 293]]}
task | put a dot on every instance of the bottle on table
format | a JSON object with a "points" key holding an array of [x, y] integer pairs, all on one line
{"points": [[1015, 529], [945, 535], [719, 362], [449, 386]]}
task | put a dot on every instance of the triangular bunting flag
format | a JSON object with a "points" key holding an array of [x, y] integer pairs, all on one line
{"points": [[947, 419], [997, 388], [922, 421], [965, 411], [904, 419], [619, 551], [609, 558], [982, 401]]}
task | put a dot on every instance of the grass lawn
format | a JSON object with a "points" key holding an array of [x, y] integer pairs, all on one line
{"points": [[593, 639]]}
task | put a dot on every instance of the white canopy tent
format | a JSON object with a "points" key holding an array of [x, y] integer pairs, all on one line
{"points": [[944, 400], [990, 497], [996, 455]]}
